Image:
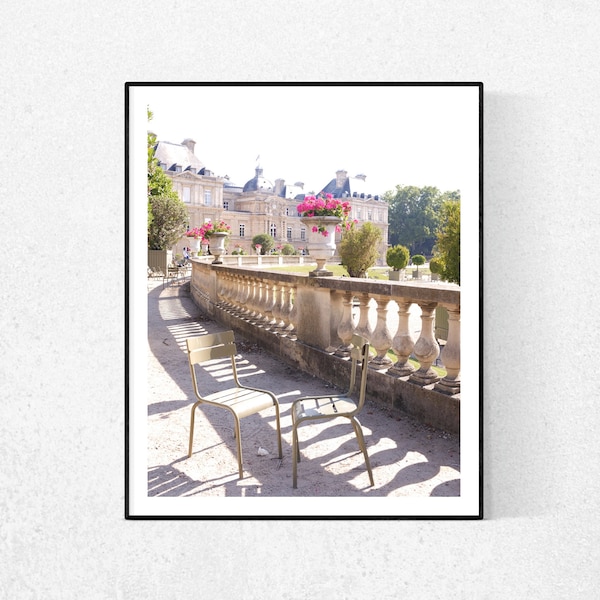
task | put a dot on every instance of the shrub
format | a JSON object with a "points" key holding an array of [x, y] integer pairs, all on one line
{"points": [[359, 249], [265, 240], [397, 257], [436, 265], [418, 259]]}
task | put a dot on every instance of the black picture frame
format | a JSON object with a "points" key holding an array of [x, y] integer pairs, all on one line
{"points": [[468, 505]]}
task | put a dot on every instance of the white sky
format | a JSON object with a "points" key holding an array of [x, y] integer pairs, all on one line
{"points": [[408, 135]]}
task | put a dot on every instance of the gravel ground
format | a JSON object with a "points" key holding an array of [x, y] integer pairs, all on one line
{"points": [[407, 457]]}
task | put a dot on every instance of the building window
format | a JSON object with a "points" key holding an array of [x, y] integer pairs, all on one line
{"points": [[303, 234], [226, 204], [289, 234], [359, 214], [273, 230], [186, 195], [242, 230], [207, 198], [369, 216]]}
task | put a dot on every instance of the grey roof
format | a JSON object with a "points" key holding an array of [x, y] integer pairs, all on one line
{"points": [[258, 183], [351, 187], [177, 154]]}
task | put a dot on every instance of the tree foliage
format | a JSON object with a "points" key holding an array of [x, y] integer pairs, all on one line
{"points": [[167, 214], [414, 216], [418, 259], [169, 219], [397, 257], [265, 240], [448, 241], [359, 249]]}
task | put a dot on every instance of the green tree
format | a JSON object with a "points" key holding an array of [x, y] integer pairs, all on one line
{"points": [[359, 249], [167, 214], [448, 241], [418, 259], [414, 216], [265, 240], [169, 220]]}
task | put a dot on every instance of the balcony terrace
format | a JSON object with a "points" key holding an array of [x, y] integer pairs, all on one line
{"points": [[410, 460]]}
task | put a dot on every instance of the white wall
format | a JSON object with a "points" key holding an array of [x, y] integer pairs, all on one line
{"points": [[62, 532]]}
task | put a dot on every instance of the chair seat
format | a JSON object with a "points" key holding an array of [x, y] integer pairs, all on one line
{"points": [[323, 407], [242, 401]]}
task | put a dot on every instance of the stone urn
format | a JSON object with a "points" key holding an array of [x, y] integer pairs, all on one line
{"points": [[321, 247], [217, 246], [194, 245]]}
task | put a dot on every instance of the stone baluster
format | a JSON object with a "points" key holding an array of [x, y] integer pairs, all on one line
{"points": [[268, 321], [450, 384], [403, 343], [220, 288], [426, 349], [228, 291], [286, 309], [244, 296], [292, 314], [236, 293], [346, 326], [381, 339], [259, 302], [276, 311], [253, 300], [363, 328]]}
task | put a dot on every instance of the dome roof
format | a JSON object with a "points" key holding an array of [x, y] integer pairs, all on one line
{"points": [[258, 183]]}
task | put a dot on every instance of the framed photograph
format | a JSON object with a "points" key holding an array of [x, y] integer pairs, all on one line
{"points": [[304, 300]]}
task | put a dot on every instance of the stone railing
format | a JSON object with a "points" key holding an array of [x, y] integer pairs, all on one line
{"points": [[309, 322]]}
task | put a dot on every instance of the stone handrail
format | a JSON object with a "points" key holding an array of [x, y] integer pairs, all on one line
{"points": [[322, 313]]}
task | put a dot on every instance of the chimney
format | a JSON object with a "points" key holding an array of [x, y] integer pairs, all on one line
{"points": [[340, 178], [279, 186], [190, 144]]}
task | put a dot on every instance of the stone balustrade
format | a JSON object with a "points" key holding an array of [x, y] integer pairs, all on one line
{"points": [[309, 322]]}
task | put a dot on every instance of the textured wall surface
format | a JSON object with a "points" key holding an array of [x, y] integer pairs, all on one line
{"points": [[62, 532]]}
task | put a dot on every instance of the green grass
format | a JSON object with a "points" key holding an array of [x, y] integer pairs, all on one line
{"points": [[336, 269]]}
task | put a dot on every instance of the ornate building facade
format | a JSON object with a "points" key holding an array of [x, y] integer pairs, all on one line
{"points": [[260, 205]]}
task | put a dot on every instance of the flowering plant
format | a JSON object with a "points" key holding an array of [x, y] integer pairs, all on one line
{"points": [[325, 205], [208, 229]]}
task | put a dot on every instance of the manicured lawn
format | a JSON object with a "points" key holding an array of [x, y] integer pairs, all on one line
{"points": [[336, 269]]}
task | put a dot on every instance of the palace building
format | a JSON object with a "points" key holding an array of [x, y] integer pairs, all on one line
{"points": [[260, 205]]}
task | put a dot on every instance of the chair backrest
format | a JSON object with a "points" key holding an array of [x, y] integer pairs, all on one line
{"points": [[211, 347], [359, 354]]}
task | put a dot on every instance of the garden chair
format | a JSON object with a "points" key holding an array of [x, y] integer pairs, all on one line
{"points": [[311, 408], [241, 401]]}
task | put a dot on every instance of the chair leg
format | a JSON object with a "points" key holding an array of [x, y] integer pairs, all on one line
{"points": [[295, 456], [238, 437], [361, 443], [278, 431], [192, 428]]}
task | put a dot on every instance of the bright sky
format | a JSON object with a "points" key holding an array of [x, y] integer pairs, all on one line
{"points": [[408, 135]]}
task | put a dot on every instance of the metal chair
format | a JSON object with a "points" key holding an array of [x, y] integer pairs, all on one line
{"points": [[312, 408], [241, 401]]}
